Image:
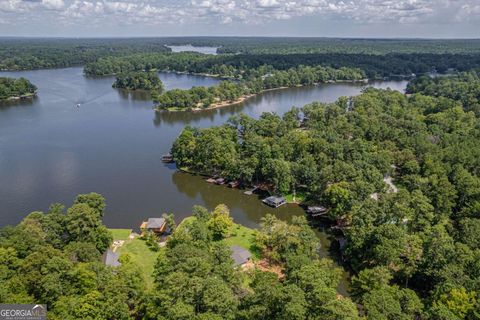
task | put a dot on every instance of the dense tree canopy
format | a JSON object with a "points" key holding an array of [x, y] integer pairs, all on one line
{"points": [[398, 173], [31, 53], [15, 88], [139, 81], [196, 279], [464, 87], [243, 65], [54, 258], [38, 53]]}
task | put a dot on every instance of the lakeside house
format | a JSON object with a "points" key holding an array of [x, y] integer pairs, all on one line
{"points": [[274, 201], [155, 225], [240, 255], [110, 258]]}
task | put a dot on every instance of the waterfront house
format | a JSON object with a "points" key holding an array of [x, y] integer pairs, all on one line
{"points": [[240, 255], [274, 201], [155, 225]]}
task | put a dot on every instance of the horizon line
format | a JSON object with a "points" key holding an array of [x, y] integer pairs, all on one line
{"points": [[237, 36]]}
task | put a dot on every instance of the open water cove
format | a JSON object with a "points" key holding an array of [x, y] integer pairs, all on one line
{"points": [[51, 150]]}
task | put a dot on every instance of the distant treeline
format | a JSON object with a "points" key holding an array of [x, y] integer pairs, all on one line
{"points": [[15, 88], [180, 62], [263, 45], [241, 66], [34, 53], [228, 91]]}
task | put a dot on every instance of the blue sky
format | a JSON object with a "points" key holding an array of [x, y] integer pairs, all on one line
{"points": [[330, 18]]}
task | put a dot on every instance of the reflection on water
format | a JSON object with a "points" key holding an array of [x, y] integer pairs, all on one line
{"points": [[4, 104], [140, 95], [247, 210]]}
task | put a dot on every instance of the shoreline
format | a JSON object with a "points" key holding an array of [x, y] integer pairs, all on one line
{"points": [[298, 202], [22, 97], [222, 104]]}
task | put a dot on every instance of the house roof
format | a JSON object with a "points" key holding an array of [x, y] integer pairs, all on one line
{"points": [[110, 258], [240, 255], [155, 223], [276, 200]]}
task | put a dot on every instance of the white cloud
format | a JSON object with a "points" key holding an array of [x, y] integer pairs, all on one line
{"points": [[268, 4], [246, 12], [53, 4]]}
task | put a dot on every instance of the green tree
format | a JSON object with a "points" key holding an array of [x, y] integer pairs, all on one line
{"points": [[220, 222]]}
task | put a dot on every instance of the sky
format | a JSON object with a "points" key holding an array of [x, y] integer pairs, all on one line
{"points": [[323, 18]]}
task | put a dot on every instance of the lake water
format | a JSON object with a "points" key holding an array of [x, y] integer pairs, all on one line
{"points": [[206, 50], [51, 150]]}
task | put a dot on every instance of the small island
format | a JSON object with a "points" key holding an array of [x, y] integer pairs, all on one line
{"points": [[148, 81], [15, 89]]}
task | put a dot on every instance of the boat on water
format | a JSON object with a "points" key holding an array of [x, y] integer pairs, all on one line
{"points": [[167, 158]]}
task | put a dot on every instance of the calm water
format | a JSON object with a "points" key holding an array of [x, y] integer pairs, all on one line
{"points": [[50, 150], [206, 50]]}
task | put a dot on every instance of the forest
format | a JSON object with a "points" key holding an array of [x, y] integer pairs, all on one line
{"points": [[238, 66], [398, 174], [55, 258], [11, 88], [37, 53], [258, 81], [139, 81], [464, 88], [284, 45], [45, 53]]}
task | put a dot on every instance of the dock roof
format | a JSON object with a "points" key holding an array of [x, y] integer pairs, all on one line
{"points": [[275, 200]]}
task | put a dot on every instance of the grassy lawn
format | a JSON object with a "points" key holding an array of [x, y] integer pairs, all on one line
{"points": [[239, 236], [243, 237], [145, 258], [139, 252], [142, 256], [120, 234], [299, 197]]}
